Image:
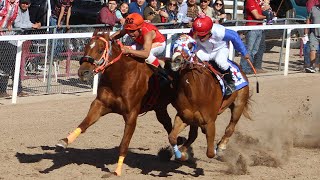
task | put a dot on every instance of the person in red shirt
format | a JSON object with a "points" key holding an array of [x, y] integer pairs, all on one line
{"points": [[148, 41], [254, 38], [310, 4], [107, 14]]}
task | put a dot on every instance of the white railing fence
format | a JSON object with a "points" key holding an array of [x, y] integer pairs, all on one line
{"points": [[168, 32]]}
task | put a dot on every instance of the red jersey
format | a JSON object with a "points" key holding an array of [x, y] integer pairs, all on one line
{"points": [[250, 6], [146, 27]]}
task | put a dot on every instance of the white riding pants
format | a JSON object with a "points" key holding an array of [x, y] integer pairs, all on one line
{"points": [[156, 49], [220, 57]]}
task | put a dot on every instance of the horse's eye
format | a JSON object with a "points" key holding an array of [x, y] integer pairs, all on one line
{"points": [[177, 60], [101, 51]]}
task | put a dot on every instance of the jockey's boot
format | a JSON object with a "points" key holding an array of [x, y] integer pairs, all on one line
{"points": [[230, 84]]}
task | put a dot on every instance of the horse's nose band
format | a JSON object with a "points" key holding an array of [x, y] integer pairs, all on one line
{"points": [[86, 59]]}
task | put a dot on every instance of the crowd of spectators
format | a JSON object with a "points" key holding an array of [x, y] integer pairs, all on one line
{"points": [[114, 12]]}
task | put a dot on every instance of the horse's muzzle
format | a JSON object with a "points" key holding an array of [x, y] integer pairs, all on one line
{"points": [[85, 75]]}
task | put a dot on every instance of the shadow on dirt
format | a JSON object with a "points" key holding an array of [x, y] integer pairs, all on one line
{"points": [[100, 158]]}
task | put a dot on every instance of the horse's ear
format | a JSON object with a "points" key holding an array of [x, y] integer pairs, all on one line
{"points": [[96, 31], [106, 34]]}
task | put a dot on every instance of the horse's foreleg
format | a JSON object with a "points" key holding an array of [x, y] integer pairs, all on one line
{"points": [[130, 125], [193, 134], [97, 109], [164, 118], [178, 126]]}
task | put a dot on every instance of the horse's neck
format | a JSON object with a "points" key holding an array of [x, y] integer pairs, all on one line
{"points": [[127, 64]]}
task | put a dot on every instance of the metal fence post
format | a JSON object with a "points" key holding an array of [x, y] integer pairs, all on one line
{"points": [[17, 72], [51, 62], [286, 61]]}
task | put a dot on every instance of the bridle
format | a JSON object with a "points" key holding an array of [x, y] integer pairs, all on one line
{"points": [[103, 62]]}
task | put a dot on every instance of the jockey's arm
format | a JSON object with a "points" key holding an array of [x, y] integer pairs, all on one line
{"points": [[145, 51], [117, 35], [233, 36]]}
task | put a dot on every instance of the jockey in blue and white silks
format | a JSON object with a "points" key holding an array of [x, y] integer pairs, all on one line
{"points": [[216, 47], [212, 45]]}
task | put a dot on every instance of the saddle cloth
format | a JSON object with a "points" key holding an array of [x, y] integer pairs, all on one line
{"points": [[240, 82]]}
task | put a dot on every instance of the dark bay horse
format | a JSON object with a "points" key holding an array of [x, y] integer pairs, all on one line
{"points": [[199, 101], [125, 86]]}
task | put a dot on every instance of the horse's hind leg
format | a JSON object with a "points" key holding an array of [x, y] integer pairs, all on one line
{"points": [[193, 134], [97, 109], [237, 109]]}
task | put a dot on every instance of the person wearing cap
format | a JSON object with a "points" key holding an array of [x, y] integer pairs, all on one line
{"points": [[212, 46], [8, 51], [148, 41], [23, 19]]}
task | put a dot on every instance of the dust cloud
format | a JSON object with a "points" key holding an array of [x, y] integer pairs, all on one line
{"points": [[274, 137]]}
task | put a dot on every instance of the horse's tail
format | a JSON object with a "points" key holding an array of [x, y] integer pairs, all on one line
{"points": [[246, 111]]}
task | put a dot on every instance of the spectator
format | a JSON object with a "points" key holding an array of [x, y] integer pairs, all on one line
{"points": [[122, 12], [182, 11], [206, 9], [38, 11], [137, 7], [267, 11], [253, 37], [314, 18], [107, 14], [153, 13], [61, 13], [311, 3], [8, 13], [8, 50], [172, 10], [23, 19], [192, 12], [220, 14], [305, 39]]}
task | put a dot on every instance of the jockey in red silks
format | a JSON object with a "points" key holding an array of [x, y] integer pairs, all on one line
{"points": [[149, 42], [212, 45]]}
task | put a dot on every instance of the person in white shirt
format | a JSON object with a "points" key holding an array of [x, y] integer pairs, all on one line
{"points": [[212, 46]]}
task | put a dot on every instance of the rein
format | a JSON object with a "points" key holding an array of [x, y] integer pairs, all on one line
{"points": [[103, 62]]}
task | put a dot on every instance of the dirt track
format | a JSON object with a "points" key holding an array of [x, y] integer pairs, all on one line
{"points": [[282, 142]]}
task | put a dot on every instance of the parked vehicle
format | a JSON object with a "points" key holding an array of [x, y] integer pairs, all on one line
{"points": [[292, 9]]}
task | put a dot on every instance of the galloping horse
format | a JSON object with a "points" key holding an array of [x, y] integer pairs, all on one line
{"points": [[200, 100], [127, 87]]}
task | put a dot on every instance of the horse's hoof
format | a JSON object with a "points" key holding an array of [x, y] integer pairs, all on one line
{"points": [[184, 157], [61, 145], [219, 154]]}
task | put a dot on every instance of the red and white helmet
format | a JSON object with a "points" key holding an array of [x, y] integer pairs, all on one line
{"points": [[202, 25]]}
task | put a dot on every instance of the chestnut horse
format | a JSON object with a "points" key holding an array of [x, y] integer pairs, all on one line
{"points": [[124, 88], [199, 101]]}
